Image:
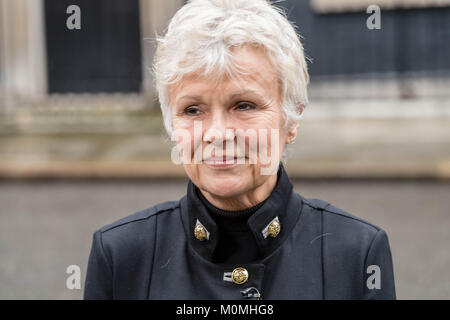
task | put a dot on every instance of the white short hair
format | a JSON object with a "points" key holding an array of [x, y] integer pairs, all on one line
{"points": [[201, 34]]}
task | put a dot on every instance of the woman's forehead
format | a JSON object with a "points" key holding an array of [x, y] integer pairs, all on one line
{"points": [[198, 88]]}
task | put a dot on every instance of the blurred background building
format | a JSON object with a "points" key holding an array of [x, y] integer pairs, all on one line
{"points": [[112, 51], [80, 103], [97, 79]]}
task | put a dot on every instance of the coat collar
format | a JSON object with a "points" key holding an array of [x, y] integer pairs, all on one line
{"points": [[281, 205]]}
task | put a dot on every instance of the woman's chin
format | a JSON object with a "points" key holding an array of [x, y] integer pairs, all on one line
{"points": [[225, 187]]}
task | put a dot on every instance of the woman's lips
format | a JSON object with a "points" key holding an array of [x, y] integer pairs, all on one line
{"points": [[224, 162]]}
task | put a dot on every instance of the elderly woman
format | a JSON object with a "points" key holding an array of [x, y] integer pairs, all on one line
{"points": [[231, 78]]}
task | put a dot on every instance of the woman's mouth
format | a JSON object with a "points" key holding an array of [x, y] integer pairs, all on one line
{"points": [[223, 162]]}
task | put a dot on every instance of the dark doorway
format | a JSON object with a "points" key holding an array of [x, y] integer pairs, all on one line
{"points": [[103, 56]]}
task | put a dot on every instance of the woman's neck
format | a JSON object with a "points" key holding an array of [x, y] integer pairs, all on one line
{"points": [[245, 200]]}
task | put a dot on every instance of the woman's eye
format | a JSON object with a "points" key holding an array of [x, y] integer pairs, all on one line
{"points": [[191, 111], [245, 106]]}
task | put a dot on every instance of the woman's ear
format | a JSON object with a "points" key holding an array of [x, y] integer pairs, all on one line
{"points": [[292, 133], [293, 129]]}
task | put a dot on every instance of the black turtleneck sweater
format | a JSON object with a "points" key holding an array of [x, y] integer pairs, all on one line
{"points": [[236, 242]]}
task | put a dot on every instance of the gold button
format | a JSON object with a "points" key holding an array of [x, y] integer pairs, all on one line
{"points": [[200, 232], [239, 275], [274, 229]]}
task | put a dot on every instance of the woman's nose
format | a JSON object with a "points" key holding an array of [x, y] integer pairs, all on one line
{"points": [[219, 128]]}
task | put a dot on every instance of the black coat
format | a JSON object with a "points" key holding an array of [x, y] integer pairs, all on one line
{"points": [[321, 252]]}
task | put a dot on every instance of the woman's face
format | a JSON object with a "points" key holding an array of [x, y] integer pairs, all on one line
{"points": [[231, 132]]}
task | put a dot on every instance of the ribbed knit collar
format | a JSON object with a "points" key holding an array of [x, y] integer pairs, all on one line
{"points": [[227, 219]]}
